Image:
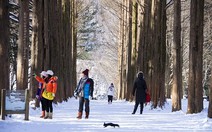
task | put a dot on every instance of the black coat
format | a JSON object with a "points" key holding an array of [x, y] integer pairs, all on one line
{"points": [[139, 90]]}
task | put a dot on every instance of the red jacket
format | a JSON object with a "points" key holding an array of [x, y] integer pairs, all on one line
{"points": [[51, 85]]}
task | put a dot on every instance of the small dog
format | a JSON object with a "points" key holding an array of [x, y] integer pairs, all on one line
{"points": [[110, 124]]}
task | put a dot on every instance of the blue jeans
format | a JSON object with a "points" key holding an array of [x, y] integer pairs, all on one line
{"points": [[83, 101]]}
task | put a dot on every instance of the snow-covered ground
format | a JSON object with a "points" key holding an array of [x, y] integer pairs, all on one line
{"points": [[64, 119]]}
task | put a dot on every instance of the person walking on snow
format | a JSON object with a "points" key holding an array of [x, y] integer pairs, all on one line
{"points": [[49, 92], [139, 91], [40, 89], [110, 93], [84, 91]]}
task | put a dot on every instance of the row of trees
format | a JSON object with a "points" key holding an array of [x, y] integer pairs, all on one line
{"points": [[42, 35], [143, 42], [143, 45], [46, 40], [54, 43]]}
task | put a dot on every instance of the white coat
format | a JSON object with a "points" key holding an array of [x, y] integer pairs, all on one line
{"points": [[110, 90]]}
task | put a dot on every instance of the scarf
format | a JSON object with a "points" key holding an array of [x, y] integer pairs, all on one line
{"points": [[81, 84]]}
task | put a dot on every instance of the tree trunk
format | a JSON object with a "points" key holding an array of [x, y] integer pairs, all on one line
{"points": [[74, 43], [129, 52], [4, 46], [123, 88], [134, 47], [66, 54], [120, 49], [162, 59], [210, 99], [37, 46], [23, 46], [177, 66], [195, 89]]}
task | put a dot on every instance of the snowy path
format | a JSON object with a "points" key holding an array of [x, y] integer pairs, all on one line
{"points": [[64, 119]]}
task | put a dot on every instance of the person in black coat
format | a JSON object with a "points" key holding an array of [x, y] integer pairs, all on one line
{"points": [[139, 91]]}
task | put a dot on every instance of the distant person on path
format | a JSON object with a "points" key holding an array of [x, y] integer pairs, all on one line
{"points": [[40, 89], [139, 91], [84, 91], [110, 93], [49, 92]]}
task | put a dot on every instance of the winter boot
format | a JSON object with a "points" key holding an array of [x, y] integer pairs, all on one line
{"points": [[42, 114], [50, 115], [79, 115], [86, 115], [46, 115], [134, 111], [141, 111]]}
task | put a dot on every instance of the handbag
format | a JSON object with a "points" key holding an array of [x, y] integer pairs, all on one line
{"points": [[148, 98]]}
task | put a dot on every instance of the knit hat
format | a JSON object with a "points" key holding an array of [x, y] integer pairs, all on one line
{"points": [[85, 72], [50, 72], [140, 74], [43, 73]]}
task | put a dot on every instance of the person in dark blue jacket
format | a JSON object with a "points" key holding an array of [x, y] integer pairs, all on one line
{"points": [[139, 91], [84, 91], [40, 89]]}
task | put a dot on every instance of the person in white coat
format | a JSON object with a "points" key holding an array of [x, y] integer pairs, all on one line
{"points": [[110, 93]]}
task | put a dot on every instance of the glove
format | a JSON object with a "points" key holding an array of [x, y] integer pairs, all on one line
{"points": [[75, 94], [34, 75], [53, 94], [37, 96], [91, 97]]}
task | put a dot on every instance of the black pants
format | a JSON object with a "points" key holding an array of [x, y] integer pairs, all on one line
{"points": [[42, 104], [48, 105], [110, 98], [83, 101], [136, 106]]}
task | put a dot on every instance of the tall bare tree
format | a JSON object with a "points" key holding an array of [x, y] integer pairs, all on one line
{"points": [[23, 45], [177, 66], [123, 49], [210, 99], [120, 50], [74, 42], [67, 53], [129, 72], [4, 45], [37, 46], [195, 89]]}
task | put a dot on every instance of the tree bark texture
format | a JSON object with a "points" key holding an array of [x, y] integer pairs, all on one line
{"points": [[195, 88], [177, 66], [120, 49], [74, 43], [37, 46], [210, 100], [4, 45], [129, 72], [23, 46]]}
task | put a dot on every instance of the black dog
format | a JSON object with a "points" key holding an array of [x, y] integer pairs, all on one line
{"points": [[110, 124]]}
